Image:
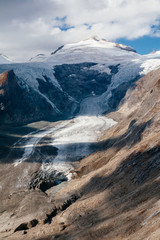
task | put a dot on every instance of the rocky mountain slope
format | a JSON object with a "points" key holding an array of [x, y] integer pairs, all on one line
{"points": [[119, 185], [74, 79], [22, 104]]}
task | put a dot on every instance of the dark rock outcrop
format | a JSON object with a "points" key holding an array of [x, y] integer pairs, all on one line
{"points": [[80, 81], [60, 98], [43, 181], [19, 105], [27, 225]]}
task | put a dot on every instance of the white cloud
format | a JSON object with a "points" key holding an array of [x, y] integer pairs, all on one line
{"points": [[35, 26]]}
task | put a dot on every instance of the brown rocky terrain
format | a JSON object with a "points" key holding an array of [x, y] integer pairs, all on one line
{"points": [[115, 192]]}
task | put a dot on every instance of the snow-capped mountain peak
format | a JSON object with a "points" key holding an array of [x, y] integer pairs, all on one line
{"points": [[95, 41], [38, 58], [91, 50], [86, 50], [4, 59]]}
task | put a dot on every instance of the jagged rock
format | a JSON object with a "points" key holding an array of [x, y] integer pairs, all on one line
{"points": [[22, 226], [44, 181], [27, 225], [60, 208]]}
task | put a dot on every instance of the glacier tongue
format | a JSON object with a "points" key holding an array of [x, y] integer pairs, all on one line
{"points": [[73, 138]]}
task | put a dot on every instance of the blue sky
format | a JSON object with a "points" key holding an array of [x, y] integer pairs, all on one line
{"points": [[37, 26], [143, 45]]}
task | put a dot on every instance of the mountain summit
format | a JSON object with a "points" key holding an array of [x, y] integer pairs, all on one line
{"points": [[4, 59], [93, 44]]}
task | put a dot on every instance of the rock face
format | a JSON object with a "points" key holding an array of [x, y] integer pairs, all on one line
{"points": [[19, 105], [84, 81], [43, 181], [26, 226]]}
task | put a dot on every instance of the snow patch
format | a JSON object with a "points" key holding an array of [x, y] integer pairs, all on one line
{"points": [[149, 65], [101, 68]]}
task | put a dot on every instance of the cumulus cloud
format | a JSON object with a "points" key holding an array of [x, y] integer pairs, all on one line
{"points": [[37, 26]]}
